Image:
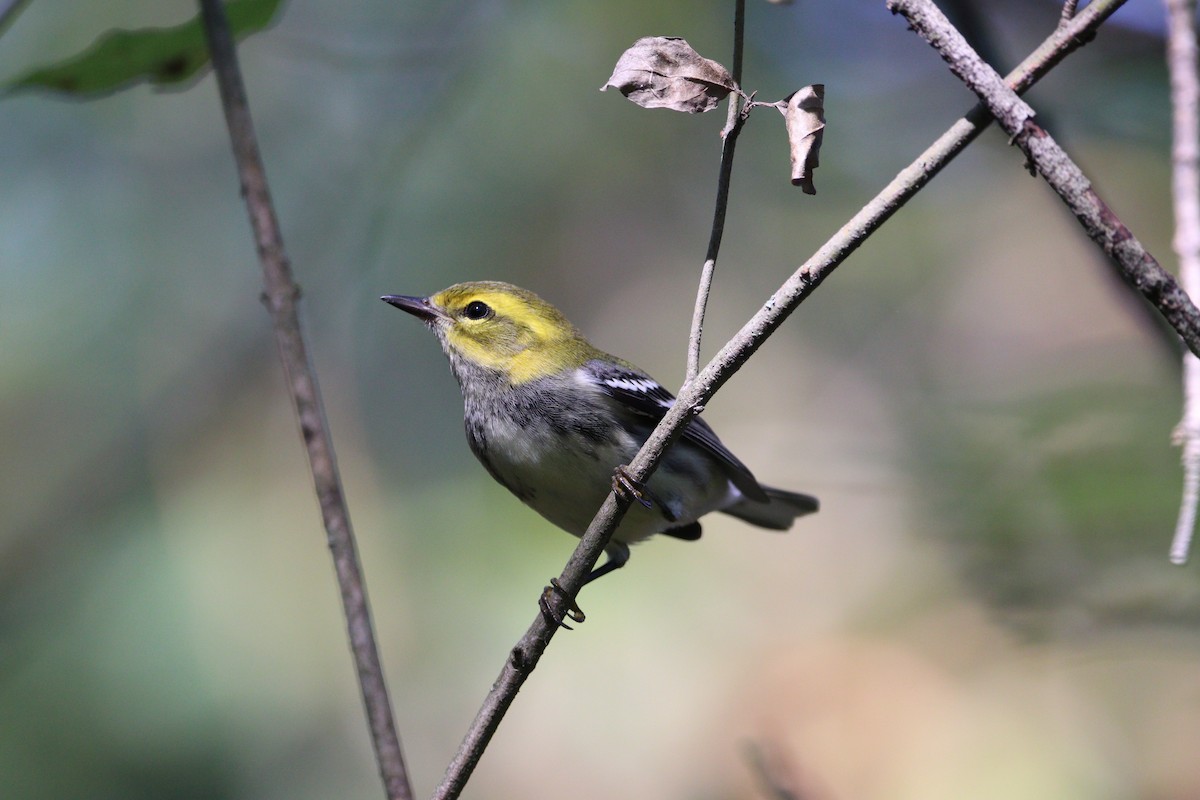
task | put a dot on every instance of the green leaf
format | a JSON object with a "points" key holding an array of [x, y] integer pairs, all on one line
{"points": [[160, 56]]}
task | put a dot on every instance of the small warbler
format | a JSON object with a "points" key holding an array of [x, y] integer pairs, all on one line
{"points": [[554, 419]]}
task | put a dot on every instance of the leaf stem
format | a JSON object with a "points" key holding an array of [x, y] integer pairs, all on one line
{"points": [[734, 120]]}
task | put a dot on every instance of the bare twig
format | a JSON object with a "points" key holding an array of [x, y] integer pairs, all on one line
{"points": [[524, 656], [1014, 115], [1185, 158], [1144, 314], [702, 292], [280, 296], [9, 9], [969, 17], [739, 38], [1068, 11], [733, 126]]}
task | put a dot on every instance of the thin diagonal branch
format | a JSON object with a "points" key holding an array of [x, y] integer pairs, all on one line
{"points": [[1015, 116], [9, 10], [525, 655], [281, 295], [1185, 159], [733, 126]]}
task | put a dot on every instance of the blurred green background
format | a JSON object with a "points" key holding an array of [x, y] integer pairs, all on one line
{"points": [[983, 608]]}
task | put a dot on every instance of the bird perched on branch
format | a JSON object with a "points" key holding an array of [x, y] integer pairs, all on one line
{"points": [[554, 420]]}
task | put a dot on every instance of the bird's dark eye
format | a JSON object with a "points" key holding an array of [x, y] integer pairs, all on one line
{"points": [[477, 310]]}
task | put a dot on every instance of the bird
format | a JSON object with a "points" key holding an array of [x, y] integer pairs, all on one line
{"points": [[555, 421]]}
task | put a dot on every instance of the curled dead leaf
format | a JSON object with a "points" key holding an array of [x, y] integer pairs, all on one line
{"points": [[665, 72], [804, 115]]}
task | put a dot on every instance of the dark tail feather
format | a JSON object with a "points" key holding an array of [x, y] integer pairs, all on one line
{"points": [[689, 533], [779, 513]]}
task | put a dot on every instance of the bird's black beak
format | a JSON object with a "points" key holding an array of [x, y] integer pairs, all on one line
{"points": [[419, 307]]}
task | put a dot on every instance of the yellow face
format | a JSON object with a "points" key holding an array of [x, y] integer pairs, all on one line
{"points": [[506, 328]]}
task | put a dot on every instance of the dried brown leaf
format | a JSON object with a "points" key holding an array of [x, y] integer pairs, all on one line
{"points": [[665, 72], [804, 116]]}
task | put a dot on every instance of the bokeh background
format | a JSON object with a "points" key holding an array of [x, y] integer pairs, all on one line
{"points": [[983, 608]]}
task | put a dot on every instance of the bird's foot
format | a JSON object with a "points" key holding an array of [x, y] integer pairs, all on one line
{"points": [[572, 610], [626, 487]]}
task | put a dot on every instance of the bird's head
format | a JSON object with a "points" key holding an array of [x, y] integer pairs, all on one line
{"points": [[499, 327]]}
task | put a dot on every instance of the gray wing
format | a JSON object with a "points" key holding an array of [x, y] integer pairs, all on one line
{"points": [[645, 397]]}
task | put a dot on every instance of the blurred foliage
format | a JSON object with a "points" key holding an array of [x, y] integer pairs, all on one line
{"points": [[983, 607], [159, 56]]}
